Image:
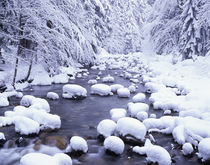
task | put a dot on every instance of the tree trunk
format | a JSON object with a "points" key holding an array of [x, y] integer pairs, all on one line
{"points": [[29, 70]]}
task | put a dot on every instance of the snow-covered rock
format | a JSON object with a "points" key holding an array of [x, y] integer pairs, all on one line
{"points": [[123, 92], [41, 104], [167, 112], [26, 126], [139, 97], [27, 100], [142, 115], [132, 88], [78, 144], [129, 126], [2, 137], [135, 108], [108, 79], [42, 79], [117, 113], [74, 91], [3, 100], [115, 87], [61, 78], [114, 144], [204, 149], [52, 95], [43, 159], [101, 89], [187, 149], [92, 82], [152, 115], [4, 121], [106, 127], [155, 153]]}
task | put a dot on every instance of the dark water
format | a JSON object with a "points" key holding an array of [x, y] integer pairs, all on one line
{"points": [[81, 118]]}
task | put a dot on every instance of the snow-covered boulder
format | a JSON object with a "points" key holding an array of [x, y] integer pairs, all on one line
{"points": [[128, 126], [4, 121], [101, 89], [52, 96], [92, 82], [132, 88], [135, 108], [78, 144], [74, 91], [61, 78], [2, 137], [115, 87], [114, 144], [187, 149], [43, 159], [167, 112], [155, 153], [40, 104], [142, 115], [106, 127], [117, 113], [152, 115], [204, 149], [27, 100], [3, 100], [42, 79], [139, 97], [123, 92], [108, 79], [26, 126]]}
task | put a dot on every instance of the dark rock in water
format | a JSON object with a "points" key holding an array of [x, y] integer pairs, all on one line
{"points": [[131, 140], [58, 141], [22, 142], [109, 152], [2, 142], [9, 144], [101, 138], [75, 154]]}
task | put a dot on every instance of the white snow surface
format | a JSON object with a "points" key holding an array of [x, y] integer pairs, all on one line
{"points": [[130, 126], [73, 91], [155, 153], [77, 143], [106, 127], [101, 89], [3, 100], [108, 79], [204, 149], [43, 159], [115, 87], [60, 78], [123, 92], [52, 96], [187, 149], [117, 113], [139, 97], [114, 144], [135, 108], [2, 137]]}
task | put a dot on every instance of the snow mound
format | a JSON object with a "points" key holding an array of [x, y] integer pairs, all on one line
{"points": [[204, 149], [108, 79], [52, 95], [135, 108], [139, 97], [155, 153], [4, 121], [2, 137], [101, 89], [114, 144], [61, 78], [40, 104], [26, 126], [123, 92], [187, 149], [117, 113], [42, 79], [106, 127], [74, 91], [142, 115], [43, 159], [92, 82], [128, 126], [115, 87], [27, 100], [78, 144]]}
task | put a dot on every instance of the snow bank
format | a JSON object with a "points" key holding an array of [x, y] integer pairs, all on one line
{"points": [[73, 91], [52, 96], [155, 153], [117, 113], [114, 144], [43, 159], [101, 89], [123, 92], [139, 97], [78, 144], [106, 127], [129, 126]]}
